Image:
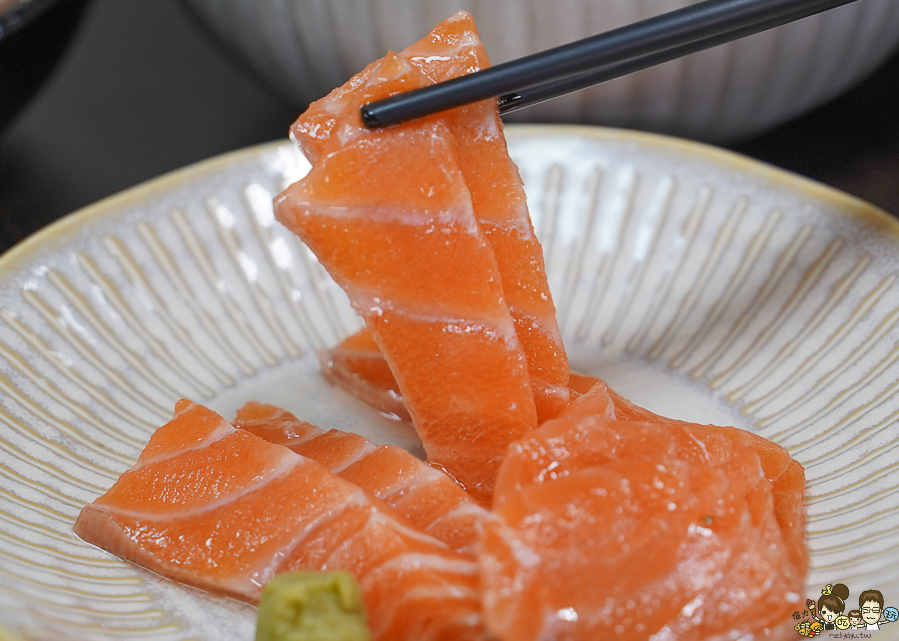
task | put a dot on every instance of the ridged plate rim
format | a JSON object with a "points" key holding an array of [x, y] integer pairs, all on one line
{"points": [[846, 204]]}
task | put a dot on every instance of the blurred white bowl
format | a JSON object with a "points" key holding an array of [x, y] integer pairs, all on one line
{"points": [[307, 47]]}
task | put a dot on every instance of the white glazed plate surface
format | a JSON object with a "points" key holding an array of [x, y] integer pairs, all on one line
{"points": [[702, 285]]}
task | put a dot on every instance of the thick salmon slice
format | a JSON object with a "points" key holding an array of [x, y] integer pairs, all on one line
{"points": [[417, 268], [606, 528], [625, 410], [222, 509], [500, 207], [357, 365], [426, 497], [786, 475], [595, 400], [453, 49]]}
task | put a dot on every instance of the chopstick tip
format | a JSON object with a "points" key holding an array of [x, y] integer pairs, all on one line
{"points": [[370, 118]]}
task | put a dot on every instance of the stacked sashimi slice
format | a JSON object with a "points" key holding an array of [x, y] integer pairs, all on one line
{"points": [[499, 204], [358, 366], [429, 499], [426, 228], [225, 510]]}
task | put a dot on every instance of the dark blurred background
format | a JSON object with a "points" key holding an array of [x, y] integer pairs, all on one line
{"points": [[143, 89]]}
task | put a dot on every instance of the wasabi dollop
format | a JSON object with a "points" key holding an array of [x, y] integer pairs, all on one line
{"points": [[312, 606]]}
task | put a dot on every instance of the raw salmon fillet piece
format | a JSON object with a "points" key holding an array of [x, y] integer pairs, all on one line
{"points": [[388, 214], [606, 528], [426, 497], [222, 509], [499, 204], [357, 365], [785, 474], [453, 49], [625, 410]]}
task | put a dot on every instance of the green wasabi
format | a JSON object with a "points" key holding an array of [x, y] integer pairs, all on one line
{"points": [[312, 606]]}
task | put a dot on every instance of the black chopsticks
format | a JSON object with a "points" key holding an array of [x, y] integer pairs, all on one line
{"points": [[527, 81]]}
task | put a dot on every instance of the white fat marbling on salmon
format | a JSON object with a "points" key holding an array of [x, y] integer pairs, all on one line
{"points": [[295, 442], [439, 220], [424, 474], [402, 490], [447, 593], [363, 449], [265, 573], [370, 303], [444, 565], [285, 463], [222, 430], [461, 511]]}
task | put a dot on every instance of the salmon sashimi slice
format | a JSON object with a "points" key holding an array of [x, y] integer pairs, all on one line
{"points": [[498, 200], [222, 509], [357, 365], [605, 528], [786, 475], [426, 497], [388, 214], [500, 207], [625, 410], [580, 383], [453, 49], [595, 401]]}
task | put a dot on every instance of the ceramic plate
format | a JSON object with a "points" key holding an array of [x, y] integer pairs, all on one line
{"points": [[701, 284]]}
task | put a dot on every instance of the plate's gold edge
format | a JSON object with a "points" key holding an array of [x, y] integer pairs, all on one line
{"points": [[851, 205]]}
